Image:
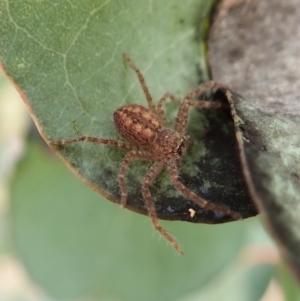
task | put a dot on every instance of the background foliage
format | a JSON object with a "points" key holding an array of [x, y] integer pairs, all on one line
{"points": [[71, 241]]}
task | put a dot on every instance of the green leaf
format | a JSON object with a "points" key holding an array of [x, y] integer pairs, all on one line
{"points": [[289, 284], [75, 243], [67, 59], [239, 282]]}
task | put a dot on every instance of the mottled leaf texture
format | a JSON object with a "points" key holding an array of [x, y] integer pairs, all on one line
{"points": [[66, 58], [255, 48]]}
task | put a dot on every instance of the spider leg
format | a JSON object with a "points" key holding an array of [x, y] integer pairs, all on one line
{"points": [[160, 111], [123, 169], [190, 141], [182, 116], [142, 82], [119, 144], [150, 176], [172, 168]]}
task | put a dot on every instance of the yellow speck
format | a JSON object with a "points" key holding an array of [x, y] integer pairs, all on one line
{"points": [[149, 132], [136, 110], [128, 122], [155, 122], [192, 212], [138, 127], [146, 115]]}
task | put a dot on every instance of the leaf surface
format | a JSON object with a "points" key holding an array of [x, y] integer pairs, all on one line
{"points": [[260, 59], [67, 61]]}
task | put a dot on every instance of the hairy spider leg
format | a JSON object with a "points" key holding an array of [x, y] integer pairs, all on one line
{"points": [[173, 171], [132, 154], [152, 173], [182, 115], [119, 144], [142, 82], [160, 111]]}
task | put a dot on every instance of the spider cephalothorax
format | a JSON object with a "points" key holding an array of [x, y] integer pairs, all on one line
{"points": [[148, 138]]}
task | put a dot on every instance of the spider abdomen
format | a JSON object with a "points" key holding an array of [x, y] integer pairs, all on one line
{"points": [[137, 124]]}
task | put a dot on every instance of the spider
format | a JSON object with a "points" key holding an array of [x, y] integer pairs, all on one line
{"points": [[148, 138]]}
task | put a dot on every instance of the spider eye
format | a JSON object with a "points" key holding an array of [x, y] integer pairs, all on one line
{"points": [[181, 149]]}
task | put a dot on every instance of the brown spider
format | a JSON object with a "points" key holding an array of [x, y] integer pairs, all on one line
{"points": [[151, 140]]}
